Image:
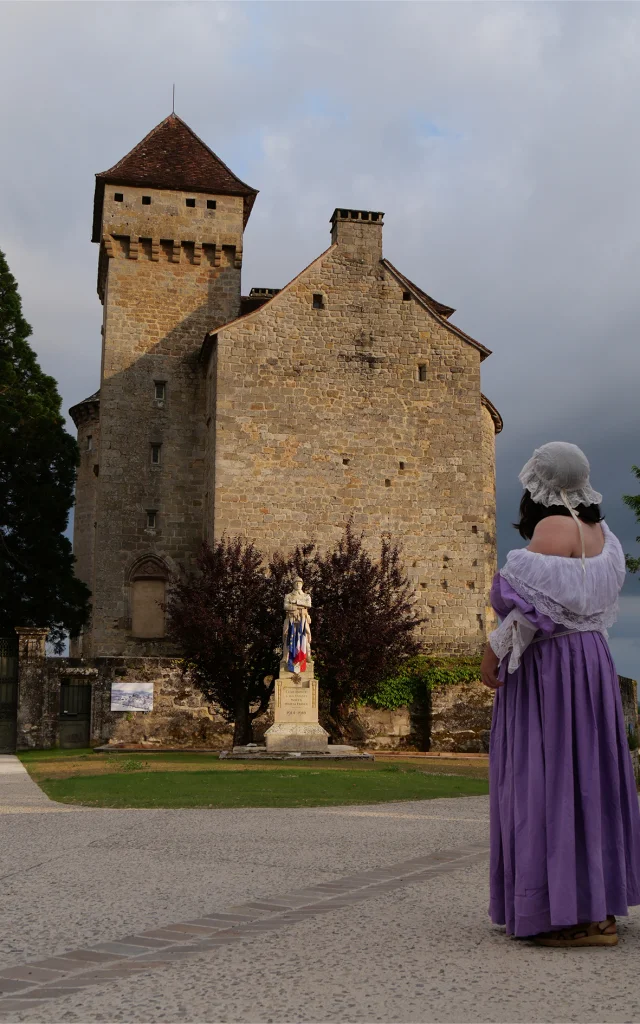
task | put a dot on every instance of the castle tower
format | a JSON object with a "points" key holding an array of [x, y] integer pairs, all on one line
{"points": [[169, 219]]}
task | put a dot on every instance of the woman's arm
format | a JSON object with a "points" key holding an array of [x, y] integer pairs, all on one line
{"points": [[489, 669]]}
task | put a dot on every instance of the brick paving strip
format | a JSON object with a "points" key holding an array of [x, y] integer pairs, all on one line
{"points": [[31, 984]]}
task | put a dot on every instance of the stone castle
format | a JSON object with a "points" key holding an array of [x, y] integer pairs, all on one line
{"points": [[278, 414]]}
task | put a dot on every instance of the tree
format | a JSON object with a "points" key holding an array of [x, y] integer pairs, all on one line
{"points": [[633, 501], [227, 619], [38, 461], [364, 622]]}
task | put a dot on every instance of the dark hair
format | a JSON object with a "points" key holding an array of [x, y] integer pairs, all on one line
{"points": [[531, 512]]}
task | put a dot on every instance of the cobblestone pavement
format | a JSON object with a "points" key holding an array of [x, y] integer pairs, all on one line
{"points": [[322, 914]]}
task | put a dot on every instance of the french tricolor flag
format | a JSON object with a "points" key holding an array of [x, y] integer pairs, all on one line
{"points": [[297, 661]]}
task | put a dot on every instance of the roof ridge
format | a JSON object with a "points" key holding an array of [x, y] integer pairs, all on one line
{"points": [[484, 351], [253, 312], [428, 298]]}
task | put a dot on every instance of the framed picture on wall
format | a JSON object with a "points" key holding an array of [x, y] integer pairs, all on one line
{"points": [[131, 696]]}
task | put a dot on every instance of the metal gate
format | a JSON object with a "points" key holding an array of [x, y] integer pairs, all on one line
{"points": [[75, 713], [8, 694]]}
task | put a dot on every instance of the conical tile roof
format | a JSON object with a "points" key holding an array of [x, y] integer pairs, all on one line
{"points": [[172, 156]]}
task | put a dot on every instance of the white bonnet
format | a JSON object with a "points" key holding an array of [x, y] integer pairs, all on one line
{"points": [[558, 474]]}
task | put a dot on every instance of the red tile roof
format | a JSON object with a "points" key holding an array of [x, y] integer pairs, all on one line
{"points": [[172, 156]]}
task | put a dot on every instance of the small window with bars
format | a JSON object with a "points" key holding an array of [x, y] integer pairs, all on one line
{"points": [[160, 390], [152, 518]]}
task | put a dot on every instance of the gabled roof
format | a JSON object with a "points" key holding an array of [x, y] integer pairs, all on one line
{"points": [[437, 309], [432, 306], [172, 156]]}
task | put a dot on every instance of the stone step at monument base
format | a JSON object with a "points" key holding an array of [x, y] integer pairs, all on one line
{"points": [[334, 752]]}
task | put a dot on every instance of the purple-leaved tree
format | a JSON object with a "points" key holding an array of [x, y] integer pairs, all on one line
{"points": [[227, 619]]}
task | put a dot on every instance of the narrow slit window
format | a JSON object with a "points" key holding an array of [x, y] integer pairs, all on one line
{"points": [[422, 371], [211, 204], [160, 390], [89, 442], [118, 197], [318, 301], [146, 200], [190, 203], [155, 454], [152, 519]]}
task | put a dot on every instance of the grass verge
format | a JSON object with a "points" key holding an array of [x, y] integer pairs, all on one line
{"points": [[279, 787], [201, 780]]}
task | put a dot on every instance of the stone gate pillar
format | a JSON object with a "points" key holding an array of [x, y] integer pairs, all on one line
{"points": [[32, 687]]}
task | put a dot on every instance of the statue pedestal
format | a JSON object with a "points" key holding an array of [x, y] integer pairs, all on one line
{"points": [[295, 713]]}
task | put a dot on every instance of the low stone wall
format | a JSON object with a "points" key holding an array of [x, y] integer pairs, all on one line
{"points": [[461, 718], [180, 718], [376, 729]]}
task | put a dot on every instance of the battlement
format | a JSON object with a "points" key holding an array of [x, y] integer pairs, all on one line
{"points": [[365, 216]]}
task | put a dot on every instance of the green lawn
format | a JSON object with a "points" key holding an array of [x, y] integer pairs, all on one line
{"points": [[128, 784]]}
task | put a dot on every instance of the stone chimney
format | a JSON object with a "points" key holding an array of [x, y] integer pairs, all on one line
{"points": [[359, 232]]}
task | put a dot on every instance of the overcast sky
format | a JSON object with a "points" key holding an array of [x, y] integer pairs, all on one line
{"points": [[500, 140]]}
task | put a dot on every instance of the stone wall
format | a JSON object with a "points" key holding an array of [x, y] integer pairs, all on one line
{"points": [[180, 717], [321, 414], [461, 718], [167, 274], [458, 719], [376, 729]]}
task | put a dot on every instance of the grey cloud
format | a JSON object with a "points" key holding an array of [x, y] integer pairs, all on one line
{"points": [[498, 138]]}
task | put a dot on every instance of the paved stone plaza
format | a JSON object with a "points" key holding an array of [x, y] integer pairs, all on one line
{"points": [[324, 914]]}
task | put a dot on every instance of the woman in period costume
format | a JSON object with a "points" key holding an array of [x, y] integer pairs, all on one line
{"points": [[565, 821]]}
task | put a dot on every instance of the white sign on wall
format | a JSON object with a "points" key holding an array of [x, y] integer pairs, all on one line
{"points": [[131, 696]]}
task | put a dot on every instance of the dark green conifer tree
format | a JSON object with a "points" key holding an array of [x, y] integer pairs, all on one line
{"points": [[38, 460]]}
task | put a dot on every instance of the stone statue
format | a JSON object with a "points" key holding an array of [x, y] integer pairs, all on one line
{"points": [[296, 632]]}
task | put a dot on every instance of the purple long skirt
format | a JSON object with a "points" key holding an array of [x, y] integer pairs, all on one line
{"points": [[565, 819]]}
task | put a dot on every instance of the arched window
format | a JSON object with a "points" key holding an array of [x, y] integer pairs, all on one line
{"points": [[148, 582]]}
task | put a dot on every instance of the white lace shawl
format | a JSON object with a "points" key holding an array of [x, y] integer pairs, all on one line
{"points": [[558, 587]]}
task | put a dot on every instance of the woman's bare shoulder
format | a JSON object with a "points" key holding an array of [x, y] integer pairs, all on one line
{"points": [[554, 535]]}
